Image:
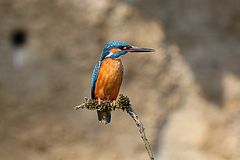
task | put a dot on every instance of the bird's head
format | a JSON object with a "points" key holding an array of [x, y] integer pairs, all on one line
{"points": [[115, 49]]}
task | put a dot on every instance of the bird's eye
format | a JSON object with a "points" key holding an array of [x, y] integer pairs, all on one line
{"points": [[125, 47]]}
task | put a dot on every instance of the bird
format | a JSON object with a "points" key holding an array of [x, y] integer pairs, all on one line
{"points": [[107, 75]]}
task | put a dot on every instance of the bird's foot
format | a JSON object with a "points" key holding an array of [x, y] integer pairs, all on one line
{"points": [[99, 101], [114, 103]]}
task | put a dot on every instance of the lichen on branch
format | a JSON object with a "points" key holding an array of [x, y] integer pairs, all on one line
{"points": [[124, 104]]}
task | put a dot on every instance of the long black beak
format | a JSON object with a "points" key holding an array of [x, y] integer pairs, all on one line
{"points": [[138, 49]]}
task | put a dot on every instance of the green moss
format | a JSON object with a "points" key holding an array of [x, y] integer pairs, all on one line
{"points": [[123, 103]]}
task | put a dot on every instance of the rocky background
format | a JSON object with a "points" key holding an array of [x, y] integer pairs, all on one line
{"points": [[187, 93]]}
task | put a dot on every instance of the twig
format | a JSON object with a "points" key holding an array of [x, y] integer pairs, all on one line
{"points": [[141, 131], [123, 103]]}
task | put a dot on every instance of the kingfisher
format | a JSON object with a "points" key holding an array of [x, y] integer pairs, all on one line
{"points": [[107, 74]]}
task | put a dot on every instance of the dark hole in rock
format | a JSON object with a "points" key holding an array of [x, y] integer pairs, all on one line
{"points": [[18, 38]]}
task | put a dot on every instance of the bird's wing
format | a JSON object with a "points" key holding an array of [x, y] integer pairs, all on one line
{"points": [[94, 78]]}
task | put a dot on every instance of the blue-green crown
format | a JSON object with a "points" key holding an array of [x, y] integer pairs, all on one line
{"points": [[113, 44]]}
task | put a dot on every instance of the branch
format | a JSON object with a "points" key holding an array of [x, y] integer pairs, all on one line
{"points": [[123, 103]]}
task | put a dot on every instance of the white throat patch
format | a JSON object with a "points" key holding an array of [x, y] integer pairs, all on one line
{"points": [[110, 54]]}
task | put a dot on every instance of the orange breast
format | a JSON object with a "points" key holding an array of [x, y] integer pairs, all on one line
{"points": [[109, 79]]}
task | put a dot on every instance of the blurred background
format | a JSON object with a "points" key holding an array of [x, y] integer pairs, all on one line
{"points": [[187, 94]]}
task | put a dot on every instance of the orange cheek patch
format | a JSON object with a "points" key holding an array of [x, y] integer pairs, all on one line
{"points": [[114, 50]]}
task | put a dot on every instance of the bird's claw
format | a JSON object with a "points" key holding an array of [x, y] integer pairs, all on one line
{"points": [[114, 103], [99, 101]]}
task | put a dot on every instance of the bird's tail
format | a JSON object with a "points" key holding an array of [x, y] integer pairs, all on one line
{"points": [[104, 116]]}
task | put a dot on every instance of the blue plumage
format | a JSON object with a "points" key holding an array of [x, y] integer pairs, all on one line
{"points": [[94, 78]]}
